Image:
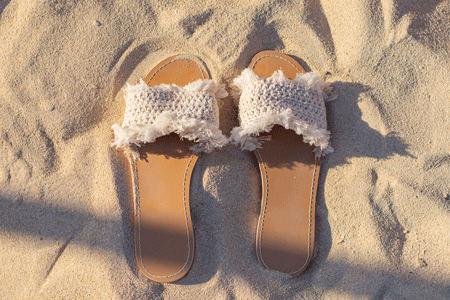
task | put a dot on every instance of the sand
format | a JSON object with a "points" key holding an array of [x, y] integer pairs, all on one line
{"points": [[383, 203]]}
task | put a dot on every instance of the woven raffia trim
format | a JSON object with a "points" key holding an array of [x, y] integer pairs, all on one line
{"points": [[295, 104], [191, 111]]}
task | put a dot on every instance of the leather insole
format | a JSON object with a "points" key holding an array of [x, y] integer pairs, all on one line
{"points": [[289, 173], [163, 229]]}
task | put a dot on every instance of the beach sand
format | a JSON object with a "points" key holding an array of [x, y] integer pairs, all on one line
{"points": [[383, 202]]}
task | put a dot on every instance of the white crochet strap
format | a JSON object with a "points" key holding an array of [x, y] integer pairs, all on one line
{"points": [[190, 111], [295, 104]]}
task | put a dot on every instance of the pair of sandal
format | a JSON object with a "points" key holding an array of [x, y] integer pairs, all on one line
{"points": [[282, 120]]}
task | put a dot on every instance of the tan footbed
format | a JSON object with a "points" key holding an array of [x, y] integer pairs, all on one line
{"points": [[289, 173], [164, 234]]}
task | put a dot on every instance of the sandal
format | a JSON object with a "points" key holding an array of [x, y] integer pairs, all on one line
{"points": [[171, 117], [283, 121]]}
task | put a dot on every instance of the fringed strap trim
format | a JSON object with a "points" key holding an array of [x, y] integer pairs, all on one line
{"points": [[190, 111], [248, 138], [260, 110], [201, 85], [309, 81]]}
